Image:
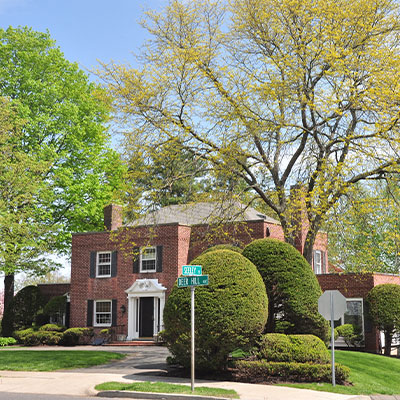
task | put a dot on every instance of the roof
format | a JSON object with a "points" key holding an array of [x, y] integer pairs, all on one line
{"points": [[203, 213]]}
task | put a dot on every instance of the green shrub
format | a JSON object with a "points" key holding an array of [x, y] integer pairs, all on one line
{"points": [[7, 341], [230, 247], [293, 348], [22, 310], [75, 336], [293, 290], [384, 309], [52, 328], [32, 337], [230, 312], [264, 371]]}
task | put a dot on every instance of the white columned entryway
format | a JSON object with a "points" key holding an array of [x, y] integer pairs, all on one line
{"points": [[140, 289]]}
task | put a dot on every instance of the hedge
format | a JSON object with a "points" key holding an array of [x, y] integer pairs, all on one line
{"points": [[75, 336], [230, 312], [31, 337], [293, 348], [264, 371], [351, 334], [292, 287], [230, 247]]}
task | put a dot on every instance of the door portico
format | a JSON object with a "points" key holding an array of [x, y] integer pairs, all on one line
{"points": [[146, 300]]}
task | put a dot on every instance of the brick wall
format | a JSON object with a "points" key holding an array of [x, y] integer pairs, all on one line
{"points": [[50, 290]]}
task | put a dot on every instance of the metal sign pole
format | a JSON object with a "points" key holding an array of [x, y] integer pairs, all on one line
{"points": [[192, 326], [332, 342]]}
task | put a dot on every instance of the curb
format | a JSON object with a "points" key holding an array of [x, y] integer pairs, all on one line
{"points": [[155, 396]]}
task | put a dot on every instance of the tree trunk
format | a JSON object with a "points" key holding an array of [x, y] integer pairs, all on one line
{"points": [[388, 343], [8, 290]]}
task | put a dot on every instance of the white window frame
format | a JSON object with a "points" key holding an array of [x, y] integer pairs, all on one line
{"points": [[141, 260], [95, 323], [98, 264], [317, 266]]}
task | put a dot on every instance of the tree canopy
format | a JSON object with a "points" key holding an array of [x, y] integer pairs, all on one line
{"points": [[63, 171], [276, 93]]}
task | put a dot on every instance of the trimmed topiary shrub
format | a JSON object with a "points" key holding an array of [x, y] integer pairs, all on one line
{"points": [[230, 312], [32, 337], [230, 247], [264, 371], [293, 348], [22, 309], [384, 309], [292, 288], [75, 336], [56, 308]]}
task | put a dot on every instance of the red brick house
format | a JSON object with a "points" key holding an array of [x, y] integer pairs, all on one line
{"points": [[121, 277]]}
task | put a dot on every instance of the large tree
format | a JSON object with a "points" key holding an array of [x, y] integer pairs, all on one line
{"points": [[276, 92], [62, 129]]}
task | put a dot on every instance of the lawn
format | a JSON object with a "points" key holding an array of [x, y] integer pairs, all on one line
{"points": [[51, 360], [161, 387], [369, 374]]}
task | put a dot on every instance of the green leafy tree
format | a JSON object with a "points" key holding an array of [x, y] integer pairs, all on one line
{"points": [[276, 93], [62, 131], [384, 308], [364, 229]]}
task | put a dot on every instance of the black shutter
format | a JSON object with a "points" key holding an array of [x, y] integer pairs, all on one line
{"points": [[323, 262], [113, 264], [136, 258], [93, 259], [114, 313], [159, 259], [89, 321]]}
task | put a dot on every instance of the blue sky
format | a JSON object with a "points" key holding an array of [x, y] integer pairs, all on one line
{"points": [[85, 30]]}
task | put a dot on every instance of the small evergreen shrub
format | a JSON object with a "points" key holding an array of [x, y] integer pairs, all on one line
{"points": [[293, 289], [52, 328], [7, 341], [230, 312], [264, 371], [293, 348], [75, 336], [351, 334], [32, 337]]}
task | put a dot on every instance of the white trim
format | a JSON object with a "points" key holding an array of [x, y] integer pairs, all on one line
{"points": [[98, 264], [144, 288], [144, 271], [95, 312], [317, 266], [360, 299]]}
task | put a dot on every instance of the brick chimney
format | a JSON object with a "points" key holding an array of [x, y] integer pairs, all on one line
{"points": [[112, 217]]}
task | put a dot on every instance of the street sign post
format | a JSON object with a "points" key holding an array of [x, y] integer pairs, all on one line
{"points": [[193, 277], [191, 270], [185, 281], [332, 305]]}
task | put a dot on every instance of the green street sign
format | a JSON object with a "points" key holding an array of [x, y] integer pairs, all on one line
{"points": [[192, 270], [185, 281]]}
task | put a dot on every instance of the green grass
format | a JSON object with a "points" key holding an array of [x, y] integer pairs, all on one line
{"points": [[369, 374], [51, 360], [161, 387]]}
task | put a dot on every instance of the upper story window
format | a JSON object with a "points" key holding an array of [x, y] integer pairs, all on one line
{"points": [[148, 259], [102, 313], [317, 262], [103, 264]]}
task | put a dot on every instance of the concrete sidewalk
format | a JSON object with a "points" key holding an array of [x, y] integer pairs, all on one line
{"points": [[78, 384]]}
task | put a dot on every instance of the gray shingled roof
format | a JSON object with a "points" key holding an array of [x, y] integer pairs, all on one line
{"points": [[202, 213]]}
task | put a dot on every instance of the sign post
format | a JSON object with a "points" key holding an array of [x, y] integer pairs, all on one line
{"points": [[332, 305], [192, 277]]}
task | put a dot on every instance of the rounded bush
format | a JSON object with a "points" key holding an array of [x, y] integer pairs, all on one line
{"points": [[52, 328], [56, 305], [230, 247], [230, 312], [75, 336], [293, 348], [293, 290]]}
